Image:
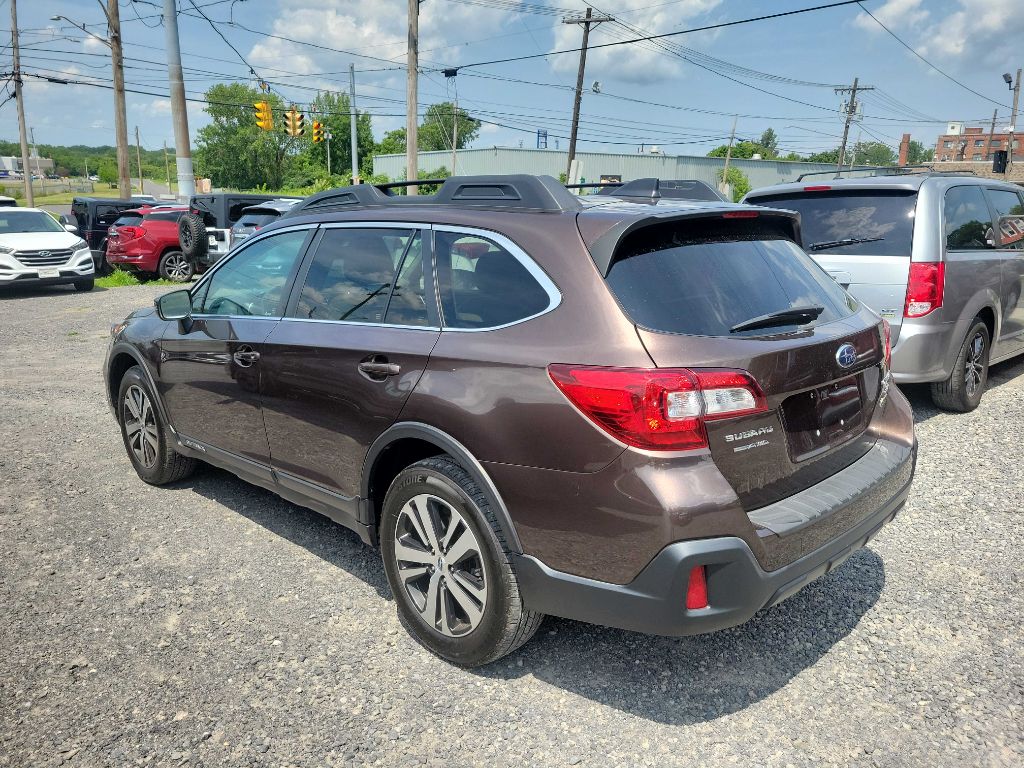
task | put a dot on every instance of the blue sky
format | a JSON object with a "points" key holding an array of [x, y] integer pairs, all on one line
{"points": [[782, 71]]}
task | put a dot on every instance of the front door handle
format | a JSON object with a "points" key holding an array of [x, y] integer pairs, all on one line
{"points": [[245, 356], [378, 369]]}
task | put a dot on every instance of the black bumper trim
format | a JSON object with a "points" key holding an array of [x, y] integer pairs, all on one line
{"points": [[654, 602]]}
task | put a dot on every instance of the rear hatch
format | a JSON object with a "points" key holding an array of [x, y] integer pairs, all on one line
{"points": [[862, 237], [692, 286]]}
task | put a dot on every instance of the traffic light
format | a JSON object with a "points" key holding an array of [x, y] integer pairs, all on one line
{"points": [[318, 131], [264, 117], [294, 122], [999, 158]]}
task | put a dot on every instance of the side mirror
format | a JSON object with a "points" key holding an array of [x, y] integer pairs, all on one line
{"points": [[71, 228], [176, 305]]}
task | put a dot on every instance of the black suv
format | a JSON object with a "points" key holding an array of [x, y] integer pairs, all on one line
{"points": [[656, 415], [205, 233]]}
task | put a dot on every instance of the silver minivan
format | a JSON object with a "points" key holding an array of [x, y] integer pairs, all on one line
{"points": [[940, 256]]}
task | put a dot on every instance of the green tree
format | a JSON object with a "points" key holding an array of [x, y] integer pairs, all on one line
{"points": [[792, 157], [334, 113], [917, 153], [770, 143], [743, 150], [828, 156], [232, 150], [108, 172], [871, 153], [437, 129], [737, 180], [393, 143]]}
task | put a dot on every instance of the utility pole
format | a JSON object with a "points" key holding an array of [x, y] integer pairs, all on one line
{"points": [[35, 154], [1013, 124], [138, 160], [167, 170], [352, 121], [851, 112], [991, 134], [26, 173], [587, 20], [455, 131], [853, 155], [124, 182], [728, 156], [182, 149], [411, 91], [327, 136]]}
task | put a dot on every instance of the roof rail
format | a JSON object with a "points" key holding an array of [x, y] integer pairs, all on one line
{"points": [[891, 170], [515, 192]]}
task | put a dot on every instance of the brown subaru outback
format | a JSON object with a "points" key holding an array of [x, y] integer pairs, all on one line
{"points": [[649, 414]]}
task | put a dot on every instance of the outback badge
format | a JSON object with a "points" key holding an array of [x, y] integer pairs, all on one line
{"points": [[846, 355]]}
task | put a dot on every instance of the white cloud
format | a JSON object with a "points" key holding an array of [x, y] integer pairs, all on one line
{"points": [[158, 107], [894, 14], [641, 63], [92, 45]]}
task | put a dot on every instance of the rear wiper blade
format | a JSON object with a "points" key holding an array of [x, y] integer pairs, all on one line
{"points": [[792, 316], [844, 241]]}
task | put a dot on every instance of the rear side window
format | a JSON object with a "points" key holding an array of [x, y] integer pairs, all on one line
{"points": [[107, 215], [696, 283], [351, 275], [869, 223], [1010, 214], [967, 220], [482, 285]]}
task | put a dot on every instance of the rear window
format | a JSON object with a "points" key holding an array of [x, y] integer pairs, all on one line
{"points": [[700, 282], [873, 222], [164, 216], [255, 219], [127, 220]]}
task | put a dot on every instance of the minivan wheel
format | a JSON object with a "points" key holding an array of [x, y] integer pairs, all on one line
{"points": [[449, 567], [963, 389], [146, 438], [175, 266]]}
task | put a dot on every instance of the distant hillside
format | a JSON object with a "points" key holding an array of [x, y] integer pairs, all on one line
{"points": [[71, 161]]}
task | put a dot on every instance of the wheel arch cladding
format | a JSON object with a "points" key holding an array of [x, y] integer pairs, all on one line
{"points": [[403, 445], [988, 316], [119, 366]]}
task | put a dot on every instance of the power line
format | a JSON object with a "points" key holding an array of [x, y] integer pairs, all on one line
{"points": [[922, 58]]}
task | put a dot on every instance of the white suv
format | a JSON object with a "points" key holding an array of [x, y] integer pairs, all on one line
{"points": [[35, 248]]}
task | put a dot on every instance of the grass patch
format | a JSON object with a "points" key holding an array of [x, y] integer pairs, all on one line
{"points": [[121, 279]]}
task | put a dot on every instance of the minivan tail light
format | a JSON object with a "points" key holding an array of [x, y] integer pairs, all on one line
{"points": [[925, 286], [660, 409]]}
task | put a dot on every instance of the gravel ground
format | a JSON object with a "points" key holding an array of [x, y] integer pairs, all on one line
{"points": [[212, 623]]}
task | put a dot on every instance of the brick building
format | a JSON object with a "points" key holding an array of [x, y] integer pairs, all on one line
{"points": [[963, 144]]}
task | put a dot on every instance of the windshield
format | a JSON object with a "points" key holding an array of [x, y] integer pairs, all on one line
{"points": [[870, 223], [27, 221], [710, 287]]}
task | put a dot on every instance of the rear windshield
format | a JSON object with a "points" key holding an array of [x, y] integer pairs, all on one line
{"points": [[700, 284], [127, 220], [878, 222], [164, 215], [255, 220]]}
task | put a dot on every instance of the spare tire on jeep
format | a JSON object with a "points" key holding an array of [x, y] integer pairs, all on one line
{"points": [[192, 236]]}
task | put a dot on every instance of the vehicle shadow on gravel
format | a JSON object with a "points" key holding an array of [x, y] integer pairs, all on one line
{"points": [[920, 397], [310, 530], [11, 292], [688, 680]]}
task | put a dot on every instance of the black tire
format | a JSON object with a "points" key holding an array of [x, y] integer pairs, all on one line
{"points": [[167, 465], [104, 267], [85, 285], [192, 237], [505, 623], [962, 391], [176, 267]]}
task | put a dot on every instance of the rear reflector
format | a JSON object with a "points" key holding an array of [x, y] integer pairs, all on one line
{"points": [[925, 286], [818, 188], [662, 409], [741, 215], [697, 589]]}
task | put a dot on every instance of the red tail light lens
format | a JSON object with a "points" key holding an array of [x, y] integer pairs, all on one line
{"points": [[741, 215], [924, 288], [817, 188], [697, 589], [661, 409], [129, 233]]}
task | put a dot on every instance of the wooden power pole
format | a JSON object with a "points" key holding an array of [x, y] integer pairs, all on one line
{"points": [[22, 132], [587, 21], [411, 89], [851, 112], [138, 160]]}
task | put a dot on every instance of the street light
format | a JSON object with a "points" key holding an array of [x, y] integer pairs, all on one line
{"points": [[113, 42]]}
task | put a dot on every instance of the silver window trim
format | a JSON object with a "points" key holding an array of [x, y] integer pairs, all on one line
{"points": [[287, 319], [249, 241], [538, 274]]}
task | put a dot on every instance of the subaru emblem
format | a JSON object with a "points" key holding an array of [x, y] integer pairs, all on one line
{"points": [[846, 355]]}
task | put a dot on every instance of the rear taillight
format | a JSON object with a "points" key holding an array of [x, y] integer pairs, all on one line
{"points": [[924, 288], [887, 340], [661, 409], [129, 233], [697, 589]]}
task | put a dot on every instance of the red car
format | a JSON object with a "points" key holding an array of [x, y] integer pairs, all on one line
{"points": [[145, 241]]}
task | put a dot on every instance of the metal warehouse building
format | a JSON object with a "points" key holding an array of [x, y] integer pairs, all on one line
{"points": [[595, 165]]}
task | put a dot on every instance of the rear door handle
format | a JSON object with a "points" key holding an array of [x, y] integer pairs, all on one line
{"points": [[379, 370]]}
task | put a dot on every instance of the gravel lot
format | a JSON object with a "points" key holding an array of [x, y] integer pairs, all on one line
{"points": [[212, 623]]}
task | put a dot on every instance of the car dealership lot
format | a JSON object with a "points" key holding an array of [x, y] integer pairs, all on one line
{"points": [[212, 623]]}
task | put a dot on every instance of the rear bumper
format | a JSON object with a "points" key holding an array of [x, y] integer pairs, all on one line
{"points": [[738, 587], [922, 352]]}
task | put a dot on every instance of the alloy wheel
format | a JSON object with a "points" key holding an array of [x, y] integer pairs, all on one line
{"points": [[440, 565], [974, 365], [140, 425], [177, 267]]}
